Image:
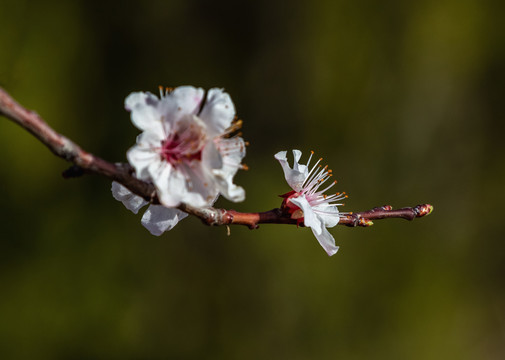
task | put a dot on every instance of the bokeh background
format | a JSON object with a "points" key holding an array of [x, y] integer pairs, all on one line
{"points": [[404, 100]]}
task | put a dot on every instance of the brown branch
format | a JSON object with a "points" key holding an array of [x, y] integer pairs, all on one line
{"points": [[85, 162]]}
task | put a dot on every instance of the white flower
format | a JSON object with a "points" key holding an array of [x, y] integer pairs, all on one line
{"points": [[157, 218], [306, 202], [185, 149]]}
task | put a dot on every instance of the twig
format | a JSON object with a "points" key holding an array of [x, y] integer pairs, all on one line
{"points": [[85, 162]]}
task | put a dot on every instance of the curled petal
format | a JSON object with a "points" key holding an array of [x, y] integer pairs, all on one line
{"points": [[227, 188], [218, 111], [158, 219], [131, 201], [296, 176]]}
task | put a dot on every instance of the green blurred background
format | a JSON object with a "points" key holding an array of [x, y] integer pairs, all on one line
{"points": [[402, 99]]}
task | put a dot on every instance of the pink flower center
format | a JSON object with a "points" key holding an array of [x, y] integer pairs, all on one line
{"points": [[185, 145]]}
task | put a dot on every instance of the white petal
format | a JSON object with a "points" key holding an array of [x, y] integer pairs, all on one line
{"points": [[141, 158], [211, 157], [296, 176], [328, 213], [310, 219], [158, 219], [144, 111], [232, 152], [150, 139], [183, 101], [139, 99], [227, 188], [129, 199], [200, 184], [327, 241], [218, 111], [170, 184]]}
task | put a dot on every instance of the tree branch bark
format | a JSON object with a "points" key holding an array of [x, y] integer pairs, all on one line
{"points": [[85, 162]]}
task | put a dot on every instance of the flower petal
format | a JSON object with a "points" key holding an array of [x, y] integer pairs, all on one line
{"points": [[130, 200], [232, 151], [201, 185], [327, 241], [310, 219], [158, 219], [211, 157], [150, 139], [296, 176], [144, 111], [218, 111], [227, 188], [328, 213], [141, 158], [170, 184], [182, 102]]}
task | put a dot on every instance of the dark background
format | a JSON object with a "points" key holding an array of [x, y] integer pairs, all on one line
{"points": [[402, 99]]}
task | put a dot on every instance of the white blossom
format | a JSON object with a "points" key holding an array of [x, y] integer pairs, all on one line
{"points": [[185, 148], [306, 202]]}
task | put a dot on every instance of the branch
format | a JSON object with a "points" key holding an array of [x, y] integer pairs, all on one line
{"points": [[85, 162]]}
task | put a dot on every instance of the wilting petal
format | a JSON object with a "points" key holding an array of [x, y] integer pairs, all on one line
{"points": [[218, 111], [294, 178], [158, 219], [131, 201]]}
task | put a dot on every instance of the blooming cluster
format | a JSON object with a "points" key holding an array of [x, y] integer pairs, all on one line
{"points": [[306, 202], [189, 151], [186, 149]]}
